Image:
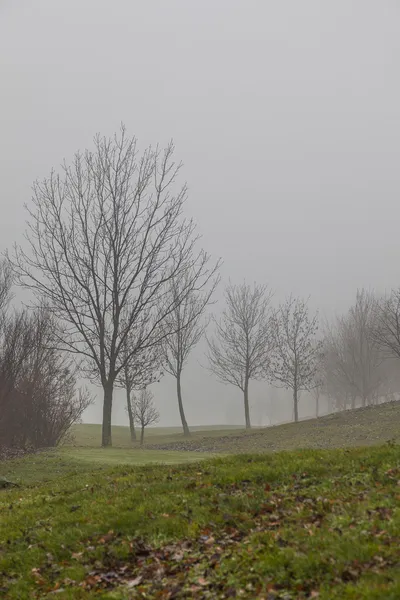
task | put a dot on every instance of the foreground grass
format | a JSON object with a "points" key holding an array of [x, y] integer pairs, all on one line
{"points": [[67, 462], [306, 524]]}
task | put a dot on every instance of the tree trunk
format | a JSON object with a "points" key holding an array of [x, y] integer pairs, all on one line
{"points": [[295, 405], [142, 436], [317, 406], [246, 404], [186, 431], [130, 414], [106, 439], [353, 402]]}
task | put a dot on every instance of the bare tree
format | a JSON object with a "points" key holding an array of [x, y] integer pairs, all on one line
{"points": [[39, 398], [186, 324], [353, 357], [386, 330], [241, 348], [104, 239], [145, 413], [144, 369], [296, 350]]}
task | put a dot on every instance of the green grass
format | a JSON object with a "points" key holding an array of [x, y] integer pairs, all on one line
{"points": [[308, 524], [361, 427], [66, 462], [89, 434]]}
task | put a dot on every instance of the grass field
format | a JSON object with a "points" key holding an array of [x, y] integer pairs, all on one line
{"points": [[299, 525], [360, 427], [90, 434], [87, 522], [66, 462]]}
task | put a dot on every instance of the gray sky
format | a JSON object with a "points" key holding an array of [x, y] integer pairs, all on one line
{"points": [[286, 115]]}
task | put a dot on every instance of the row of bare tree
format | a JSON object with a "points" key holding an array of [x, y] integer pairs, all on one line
{"points": [[349, 361], [125, 286]]}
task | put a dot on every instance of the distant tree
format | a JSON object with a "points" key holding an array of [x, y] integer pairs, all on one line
{"points": [[104, 239], [186, 323], [353, 357], [142, 370], [241, 347], [145, 413], [296, 351], [386, 330]]}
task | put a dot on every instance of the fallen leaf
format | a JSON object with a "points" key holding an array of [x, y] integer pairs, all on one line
{"points": [[134, 582]]}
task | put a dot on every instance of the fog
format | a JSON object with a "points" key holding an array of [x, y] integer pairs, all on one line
{"points": [[285, 114]]}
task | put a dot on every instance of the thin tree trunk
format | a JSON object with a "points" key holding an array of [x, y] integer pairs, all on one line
{"points": [[186, 431], [317, 406], [246, 404], [295, 405], [142, 436], [106, 439], [130, 414]]}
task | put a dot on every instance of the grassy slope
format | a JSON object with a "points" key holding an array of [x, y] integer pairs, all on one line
{"points": [[310, 524], [89, 434], [360, 427]]}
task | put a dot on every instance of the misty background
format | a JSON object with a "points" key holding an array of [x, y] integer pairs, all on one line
{"points": [[285, 114]]}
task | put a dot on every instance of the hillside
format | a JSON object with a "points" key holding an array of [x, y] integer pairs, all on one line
{"points": [[360, 427]]}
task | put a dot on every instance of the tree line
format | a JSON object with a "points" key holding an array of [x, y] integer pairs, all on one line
{"points": [[121, 293]]}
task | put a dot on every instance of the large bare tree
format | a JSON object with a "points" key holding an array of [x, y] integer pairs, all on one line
{"points": [[241, 347], [296, 350], [186, 324], [104, 239]]}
